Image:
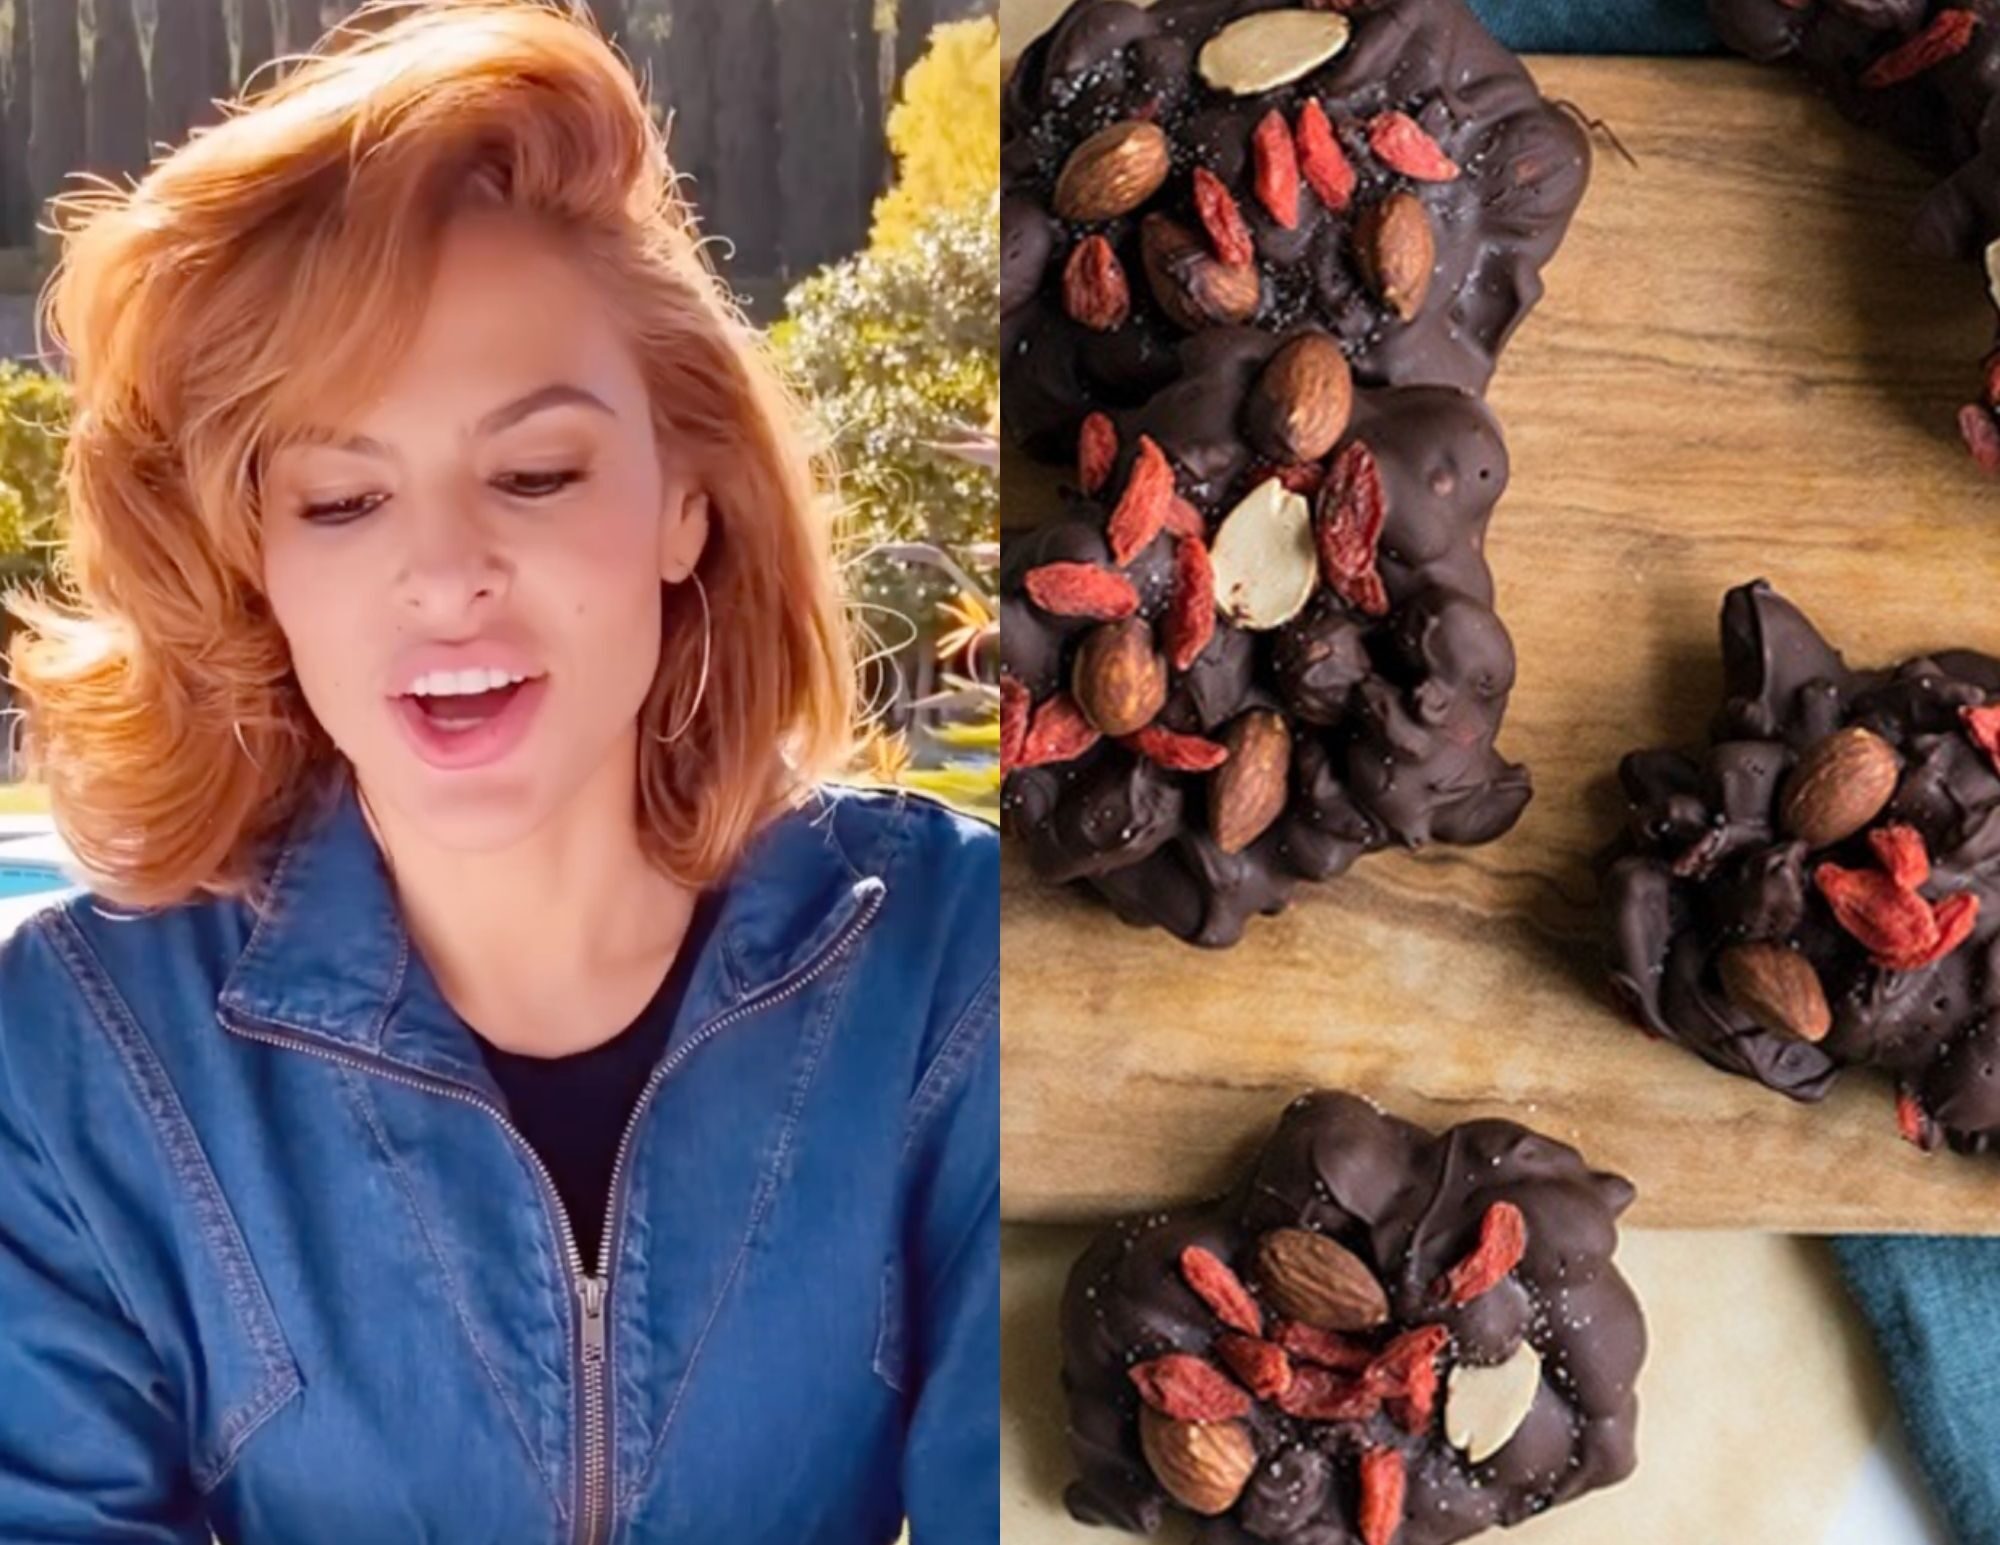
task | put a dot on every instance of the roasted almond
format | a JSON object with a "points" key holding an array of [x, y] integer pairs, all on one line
{"points": [[1778, 987], [1247, 792], [1397, 252], [1841, 784], [1113, 172], [1204, 1466], [1310, 1278], [1119, 679], [1299, 407], [1194, 287]]}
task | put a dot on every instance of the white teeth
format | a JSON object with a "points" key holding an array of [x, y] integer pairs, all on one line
{"points": [[461, 683]]}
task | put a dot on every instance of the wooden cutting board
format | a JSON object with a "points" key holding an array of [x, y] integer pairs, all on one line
{"points": [[1738, 371]]}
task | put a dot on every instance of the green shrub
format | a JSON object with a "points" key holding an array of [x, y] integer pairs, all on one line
{"points": [[34, 417]]}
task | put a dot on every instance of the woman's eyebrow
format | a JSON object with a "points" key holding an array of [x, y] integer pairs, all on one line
{"points": [[559, 394], [556, 395]]}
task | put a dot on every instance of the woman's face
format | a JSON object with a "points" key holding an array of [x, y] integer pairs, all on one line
{"points": [[468, 574]]}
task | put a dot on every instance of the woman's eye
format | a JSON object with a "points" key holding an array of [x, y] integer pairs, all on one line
{"points": [[539, 485], [338, 512]]}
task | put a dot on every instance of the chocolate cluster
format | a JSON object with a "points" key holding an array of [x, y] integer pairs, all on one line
{"points": [[1923, 74], [1201, 788], [1379, 1337], [1399, 183], [1816, 887]]}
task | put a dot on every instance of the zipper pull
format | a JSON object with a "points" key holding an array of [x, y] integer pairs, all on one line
{"points": [[591, 1290]]}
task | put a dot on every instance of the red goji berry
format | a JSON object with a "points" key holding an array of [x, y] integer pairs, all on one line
{"points": [[1188, 1389], [1322, 162], [1190, 620], [1413, 1408], [1982, 728], [1222, 1290], [1301, 477], [1058, 732], [1175, 752], [1900, 850], [1949, 33], [1081, 590], [1265, 1370], [1393, 1369], [1096, 451], [1976, 427], [1914, 1122], [1142, 509], [1384, 1484], [1277, 169], [1981, 435], [1888, 920], [1503, 1240], [1015, 706], [1954, 916], [1183, 519], [1352, 512], [1096, 293], [1223, 221], [1400, 143], [1327, 1348], [1316, 1395]]}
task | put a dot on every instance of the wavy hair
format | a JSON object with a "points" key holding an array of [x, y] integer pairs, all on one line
{"points": [[267, 274]]}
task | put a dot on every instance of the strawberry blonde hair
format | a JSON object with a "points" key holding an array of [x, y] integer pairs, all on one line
{"points": [[266, 275]]}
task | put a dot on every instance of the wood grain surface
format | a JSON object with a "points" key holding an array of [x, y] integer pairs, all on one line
{"points": [[1738, 371]]}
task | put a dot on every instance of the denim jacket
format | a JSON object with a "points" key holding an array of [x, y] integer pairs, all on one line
{"points": [[274, 1264]]}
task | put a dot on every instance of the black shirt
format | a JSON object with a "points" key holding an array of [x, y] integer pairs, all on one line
{"points": [[573, 1110]]}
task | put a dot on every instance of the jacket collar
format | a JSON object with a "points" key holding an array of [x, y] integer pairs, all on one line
{"points": [[331, 961]]}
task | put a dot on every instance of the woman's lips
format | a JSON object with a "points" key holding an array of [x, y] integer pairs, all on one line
{"points": [[480, 746]]}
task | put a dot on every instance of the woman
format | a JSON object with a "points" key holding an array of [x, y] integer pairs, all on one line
{"points": [[496, 1090]]}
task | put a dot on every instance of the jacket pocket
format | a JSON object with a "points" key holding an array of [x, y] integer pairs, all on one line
{"points": [[173, 1247]]}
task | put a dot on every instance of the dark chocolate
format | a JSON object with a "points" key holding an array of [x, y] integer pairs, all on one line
{"points": [[1392, 718], [1523, 166], [1707, 863], [1411, 1206], [1917, 73]]}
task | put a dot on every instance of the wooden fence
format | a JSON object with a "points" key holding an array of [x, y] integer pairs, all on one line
{"points": [[778, 105]]}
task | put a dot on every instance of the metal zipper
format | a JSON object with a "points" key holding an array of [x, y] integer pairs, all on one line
{"points": [[592, 1291]]}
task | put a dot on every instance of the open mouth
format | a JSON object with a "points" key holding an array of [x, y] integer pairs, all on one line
{"points": [[453, 728], [456, 712]]}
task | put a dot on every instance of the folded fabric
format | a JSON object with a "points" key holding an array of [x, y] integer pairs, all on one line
{"points": [[1599, 26], [1934, 1306]]}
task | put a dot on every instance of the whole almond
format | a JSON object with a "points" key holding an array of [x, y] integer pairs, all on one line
{"points": [[1778, 987], [1194, 287], [1309, 1278], [1204, 1466], [1299, 407], [1397, 252], [1247, 792], [1839, 786], [1113, 172], [1119, 679]]}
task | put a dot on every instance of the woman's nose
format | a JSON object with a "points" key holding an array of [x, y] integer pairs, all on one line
{"points": [[452, 560]]}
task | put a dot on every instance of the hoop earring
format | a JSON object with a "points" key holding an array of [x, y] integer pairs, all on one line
{"points": [[237, 726], [700, 591]]}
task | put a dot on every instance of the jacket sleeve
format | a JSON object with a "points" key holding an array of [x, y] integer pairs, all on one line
{"points": [[951, 1464], [91, 1448]]}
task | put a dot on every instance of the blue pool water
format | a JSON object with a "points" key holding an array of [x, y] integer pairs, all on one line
{"points": [[28, 879]]}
